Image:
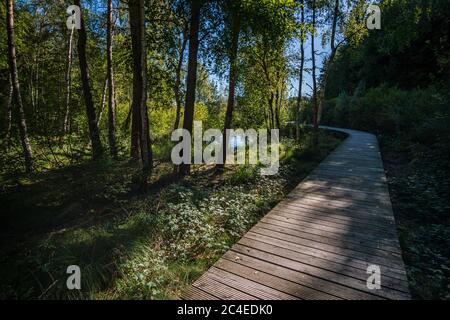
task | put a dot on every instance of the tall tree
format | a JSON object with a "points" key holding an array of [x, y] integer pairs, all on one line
{"points": [[140, 128], [109, 62], [68, 82], [177, 85], [329, 61], [314, 80], [94, 135], [234, 20], [188, 120], [302, 64], [17, 98]]}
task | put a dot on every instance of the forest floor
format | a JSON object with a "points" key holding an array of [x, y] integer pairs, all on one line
{"points": [[128, 245], [420, 193]]}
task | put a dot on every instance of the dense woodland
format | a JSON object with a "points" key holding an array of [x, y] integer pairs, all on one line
{"points": [[86, 118]]}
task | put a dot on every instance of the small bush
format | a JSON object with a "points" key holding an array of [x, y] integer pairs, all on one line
{"points": [[243, 174]]}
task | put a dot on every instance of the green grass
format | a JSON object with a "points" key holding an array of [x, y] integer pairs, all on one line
{"points": [[133, 246], [420, 194]]}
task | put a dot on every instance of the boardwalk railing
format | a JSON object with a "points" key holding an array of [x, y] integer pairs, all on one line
{"points": [[333, 237]]}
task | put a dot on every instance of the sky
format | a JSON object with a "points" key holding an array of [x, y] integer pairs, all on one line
{"points": [[294, 50], [321, 53]]}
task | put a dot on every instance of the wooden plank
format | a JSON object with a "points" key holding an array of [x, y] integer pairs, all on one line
{"points": [[255, 289], [328, 220], [338, 212], [326, 255], [344, 165], [193, 293], [336, 277], [336, 204], [340, 186], [298, 277], [326, 237], [302, 214], [360, 199], [390, 261], [375, 177], [207, 283], [388, 281], [356, 182], [267, 279], [356, 218], [312, 224], [349, 194]]}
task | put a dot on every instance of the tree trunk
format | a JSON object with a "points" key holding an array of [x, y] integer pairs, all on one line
{"points": [[192, 73], [277, 107], [17, 98], [334, 25], [146, 150], [102, 106], [111, 109], [329, 61], [178, 82], [68, 83], [141, 150], [235, 29], [314, 80], [126, 123], [137, 82], [9, 111], [94, 135], [31, 85], [266, 118], [302, 64], [272, 115]]}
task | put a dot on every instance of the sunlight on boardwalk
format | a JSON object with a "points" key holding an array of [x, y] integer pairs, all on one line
{"points": [[319, 241]]}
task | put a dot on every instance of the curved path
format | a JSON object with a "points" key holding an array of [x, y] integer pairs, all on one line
{"points": [[323, 241]]}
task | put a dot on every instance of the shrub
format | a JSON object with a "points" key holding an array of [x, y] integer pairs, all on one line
{"points": [[386, 110]]}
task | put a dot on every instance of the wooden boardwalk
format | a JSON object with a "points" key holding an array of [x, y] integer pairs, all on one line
{"points": [[320, 240]]}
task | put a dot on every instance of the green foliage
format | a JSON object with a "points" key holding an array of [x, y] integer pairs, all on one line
{"points": [[419, 188], [409, 51], [243, 174], [387, 110]]}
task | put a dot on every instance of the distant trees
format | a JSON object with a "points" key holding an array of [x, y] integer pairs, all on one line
{"points": [[265, 67]]}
